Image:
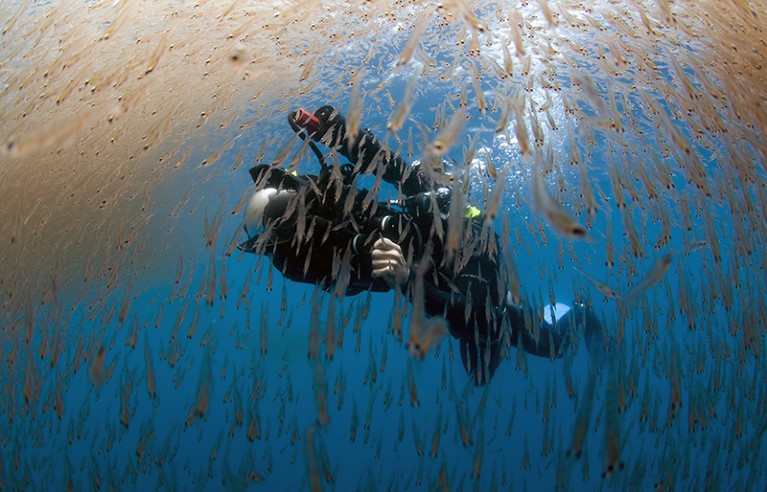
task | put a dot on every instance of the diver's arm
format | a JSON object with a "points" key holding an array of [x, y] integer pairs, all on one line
{"points": [[325, 255], [363, 149]]}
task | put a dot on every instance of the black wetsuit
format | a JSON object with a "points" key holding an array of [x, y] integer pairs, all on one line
{"points": [[322, 231]]}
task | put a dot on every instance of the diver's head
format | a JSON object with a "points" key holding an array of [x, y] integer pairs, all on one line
{"points": [[269, 215], [254, 212]]}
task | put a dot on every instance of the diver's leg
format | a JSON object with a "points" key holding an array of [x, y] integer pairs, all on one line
{"points": [[583, 316]]}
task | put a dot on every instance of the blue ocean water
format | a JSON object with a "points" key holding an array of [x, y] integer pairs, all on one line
{"points": [[234, 400]]}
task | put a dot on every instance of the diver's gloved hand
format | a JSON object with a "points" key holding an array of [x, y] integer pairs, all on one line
{"points": [[389, 262]]}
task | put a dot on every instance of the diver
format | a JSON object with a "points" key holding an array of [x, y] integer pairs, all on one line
{"points": [[326, 230]]}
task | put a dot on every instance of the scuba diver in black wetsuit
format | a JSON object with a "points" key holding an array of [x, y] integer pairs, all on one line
{"points": [[324, 229]]}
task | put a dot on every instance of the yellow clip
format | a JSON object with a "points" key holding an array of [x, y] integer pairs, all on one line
{"points": [[472, 211]]}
